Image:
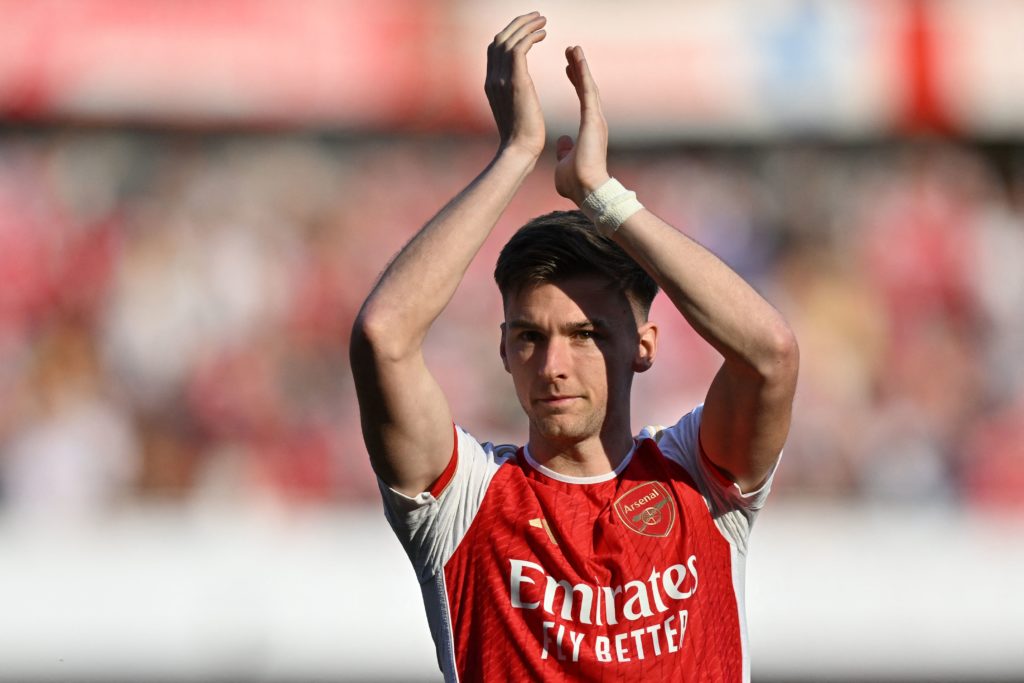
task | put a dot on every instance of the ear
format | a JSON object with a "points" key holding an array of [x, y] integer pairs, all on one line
{"points": [[501, 349], [646, 347]]}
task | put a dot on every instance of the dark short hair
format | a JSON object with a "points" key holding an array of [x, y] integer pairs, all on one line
{"points": [[564, 244]]}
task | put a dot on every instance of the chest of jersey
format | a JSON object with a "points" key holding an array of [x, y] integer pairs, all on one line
{"points": [[627, 578]]}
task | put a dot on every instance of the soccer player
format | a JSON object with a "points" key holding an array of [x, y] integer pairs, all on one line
{"points": [[588, 553]]}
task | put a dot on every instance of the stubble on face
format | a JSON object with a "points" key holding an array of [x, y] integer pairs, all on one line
{"points": [[572, 422], [565, 410]]}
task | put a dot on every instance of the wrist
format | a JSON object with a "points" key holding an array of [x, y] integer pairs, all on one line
{"points": [[609, 206], [518, 152], [589, 186]]}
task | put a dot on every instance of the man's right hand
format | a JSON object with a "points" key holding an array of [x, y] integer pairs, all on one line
{"points": [[509, 88], [582, 164], [406, 419]]}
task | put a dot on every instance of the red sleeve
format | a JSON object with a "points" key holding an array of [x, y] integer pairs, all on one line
{"points": [[442, 481], [716, 471]]}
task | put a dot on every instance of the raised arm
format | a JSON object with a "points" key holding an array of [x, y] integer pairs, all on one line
{"points": [[406, 421], [748, 406]]}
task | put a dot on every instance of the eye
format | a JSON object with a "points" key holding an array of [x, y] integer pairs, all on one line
{"points": [[585, 335], [529, 336]]}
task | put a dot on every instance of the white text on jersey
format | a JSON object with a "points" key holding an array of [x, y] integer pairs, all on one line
{"points": [[633, 600]]}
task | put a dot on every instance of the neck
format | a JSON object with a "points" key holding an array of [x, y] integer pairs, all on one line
{"points": [[589, 457]]}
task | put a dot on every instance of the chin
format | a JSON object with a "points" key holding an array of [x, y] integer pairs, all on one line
{"points": [[564, 428]]}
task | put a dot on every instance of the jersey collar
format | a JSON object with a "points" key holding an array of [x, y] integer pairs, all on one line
{"points": [[568, 479]]}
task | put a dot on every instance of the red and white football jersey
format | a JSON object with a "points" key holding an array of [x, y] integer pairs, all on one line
{"points": [[635, 575]]}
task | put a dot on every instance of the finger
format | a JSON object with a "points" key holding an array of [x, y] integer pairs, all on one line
{"points": [[532, 33], [514, 59], [570, 71], [563, 146], [525, 39], [579, 74], [524, 28], [574, 65], [520, 49], [520, 27], [515, 25], [586, 78], [520, 41]]}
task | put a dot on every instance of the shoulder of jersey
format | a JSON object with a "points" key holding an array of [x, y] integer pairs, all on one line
{"points": [[653, 432], [505, 451]]}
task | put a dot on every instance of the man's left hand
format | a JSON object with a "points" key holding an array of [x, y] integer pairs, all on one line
{"points": [[582, 164]]}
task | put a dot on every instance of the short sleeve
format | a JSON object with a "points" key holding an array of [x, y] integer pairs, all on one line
{"points": [[733, 510], [430, 525]]}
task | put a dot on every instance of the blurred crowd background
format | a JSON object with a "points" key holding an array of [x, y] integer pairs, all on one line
{"points": [[175, 310], [197, 195], [186, 234]]}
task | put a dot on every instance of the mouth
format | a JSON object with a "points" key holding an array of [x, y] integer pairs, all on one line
{"points": [[556, 401]]}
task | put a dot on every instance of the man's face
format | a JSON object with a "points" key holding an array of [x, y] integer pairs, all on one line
{"points": [[572, 349]]}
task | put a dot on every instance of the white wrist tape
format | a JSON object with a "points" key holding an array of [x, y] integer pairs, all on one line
{"points": [[609, 206]]}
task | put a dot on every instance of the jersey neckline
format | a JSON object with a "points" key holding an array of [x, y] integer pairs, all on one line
{"points": [[569, 479]]}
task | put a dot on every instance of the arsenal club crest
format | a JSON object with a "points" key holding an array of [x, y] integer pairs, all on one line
{"points": [[647, 509]]}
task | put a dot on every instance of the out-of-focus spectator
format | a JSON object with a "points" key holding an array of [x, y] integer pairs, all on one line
{"points": [[994, 459], [174, 311], [73, 452]]}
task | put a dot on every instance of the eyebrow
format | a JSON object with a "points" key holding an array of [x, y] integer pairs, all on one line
{"points": [[588, 324]]}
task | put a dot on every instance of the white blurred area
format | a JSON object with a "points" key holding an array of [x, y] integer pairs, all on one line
{"points": [[196, 197], [835, 593]]}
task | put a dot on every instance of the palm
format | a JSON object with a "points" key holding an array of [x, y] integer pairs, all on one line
{"points": [[510, 92], [582, 166], [565, 169]]}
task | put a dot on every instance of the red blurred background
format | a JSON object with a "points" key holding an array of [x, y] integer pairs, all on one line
{"points": [[195, 198]]}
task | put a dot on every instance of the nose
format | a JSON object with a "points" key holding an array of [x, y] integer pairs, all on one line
{"points": [[556, 359]]}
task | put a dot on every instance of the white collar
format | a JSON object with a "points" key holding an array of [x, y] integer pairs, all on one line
{"points": [[569, 479]]}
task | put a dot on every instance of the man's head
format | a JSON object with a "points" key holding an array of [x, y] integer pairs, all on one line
{"points": [[575, 330], [564, 244]]}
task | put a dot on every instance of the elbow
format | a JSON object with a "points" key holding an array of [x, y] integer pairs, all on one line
{"points": [[780, 358], [361, 345], [376, 338]]}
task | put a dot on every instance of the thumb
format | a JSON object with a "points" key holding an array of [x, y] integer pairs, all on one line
{"points": [[563, 146]]}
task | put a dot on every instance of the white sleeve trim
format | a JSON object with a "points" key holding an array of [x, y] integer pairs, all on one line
{"points": [[429, 528], [733, 510]]}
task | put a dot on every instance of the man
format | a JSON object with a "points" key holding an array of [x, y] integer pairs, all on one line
{"points": [[587, 553]]}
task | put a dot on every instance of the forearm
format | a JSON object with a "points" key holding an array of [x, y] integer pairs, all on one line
{"points": [[423, 277], [726, 311], [747, 408], [406, 420]]}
